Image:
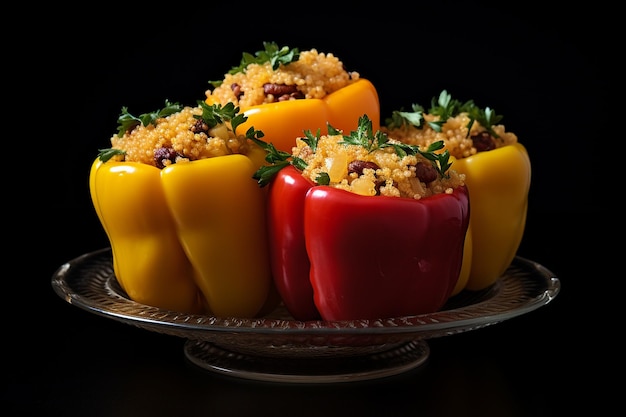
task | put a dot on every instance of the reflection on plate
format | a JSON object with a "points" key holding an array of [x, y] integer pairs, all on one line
{"points": [[278, 348]]}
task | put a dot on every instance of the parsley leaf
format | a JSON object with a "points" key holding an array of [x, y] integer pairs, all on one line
{"points": [[106, 154], [128, 122], [311, 140], [277, 160], [272, 53], [363, 136], [445, 107], [212, 115], [216, 114]]}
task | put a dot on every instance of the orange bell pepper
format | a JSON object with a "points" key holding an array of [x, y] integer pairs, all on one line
{"points": [[283, 121]]}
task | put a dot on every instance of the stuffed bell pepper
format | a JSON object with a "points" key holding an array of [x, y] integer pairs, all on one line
{"points": [[497, 173], [185, 219], [362, 226], [284, 92]]}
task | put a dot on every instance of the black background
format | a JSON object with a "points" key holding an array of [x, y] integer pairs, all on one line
{"points": [[549, 71]]}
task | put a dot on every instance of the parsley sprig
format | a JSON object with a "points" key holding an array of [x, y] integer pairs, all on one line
{"points": [[108, 153], [363, 136], [272, 53], [212, 115], [445, 107], [216, 114], [278, 160], [127, 121]]}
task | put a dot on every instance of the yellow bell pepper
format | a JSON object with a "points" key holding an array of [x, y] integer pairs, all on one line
{"points": [[497, 176], [283, 120], [498, 181], [466, 265], [189, 237]]}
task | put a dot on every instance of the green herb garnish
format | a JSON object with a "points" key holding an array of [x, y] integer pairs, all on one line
{"points": [[216, 114], [128, 122], [272, 54], [445, 107], [363, 136], [212, 115], [106, 154], [277, 160]]}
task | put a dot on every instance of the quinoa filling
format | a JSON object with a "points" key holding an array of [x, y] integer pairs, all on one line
{"points": [[280, 74]]}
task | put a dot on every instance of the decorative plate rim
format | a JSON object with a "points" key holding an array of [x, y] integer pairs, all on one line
{"points": [[88, 282]]}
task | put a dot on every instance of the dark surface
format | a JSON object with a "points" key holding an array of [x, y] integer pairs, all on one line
{"points": [[548, 73]]}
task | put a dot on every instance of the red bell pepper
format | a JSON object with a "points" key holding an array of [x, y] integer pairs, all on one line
{"points": [[289, 259], [342, 256], [342, 249], [377, 257]]}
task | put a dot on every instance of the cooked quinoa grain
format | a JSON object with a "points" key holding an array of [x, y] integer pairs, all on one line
{"points": [[380, 172], [464, 128], [313, 75], [177, 138], [460, 140]]}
